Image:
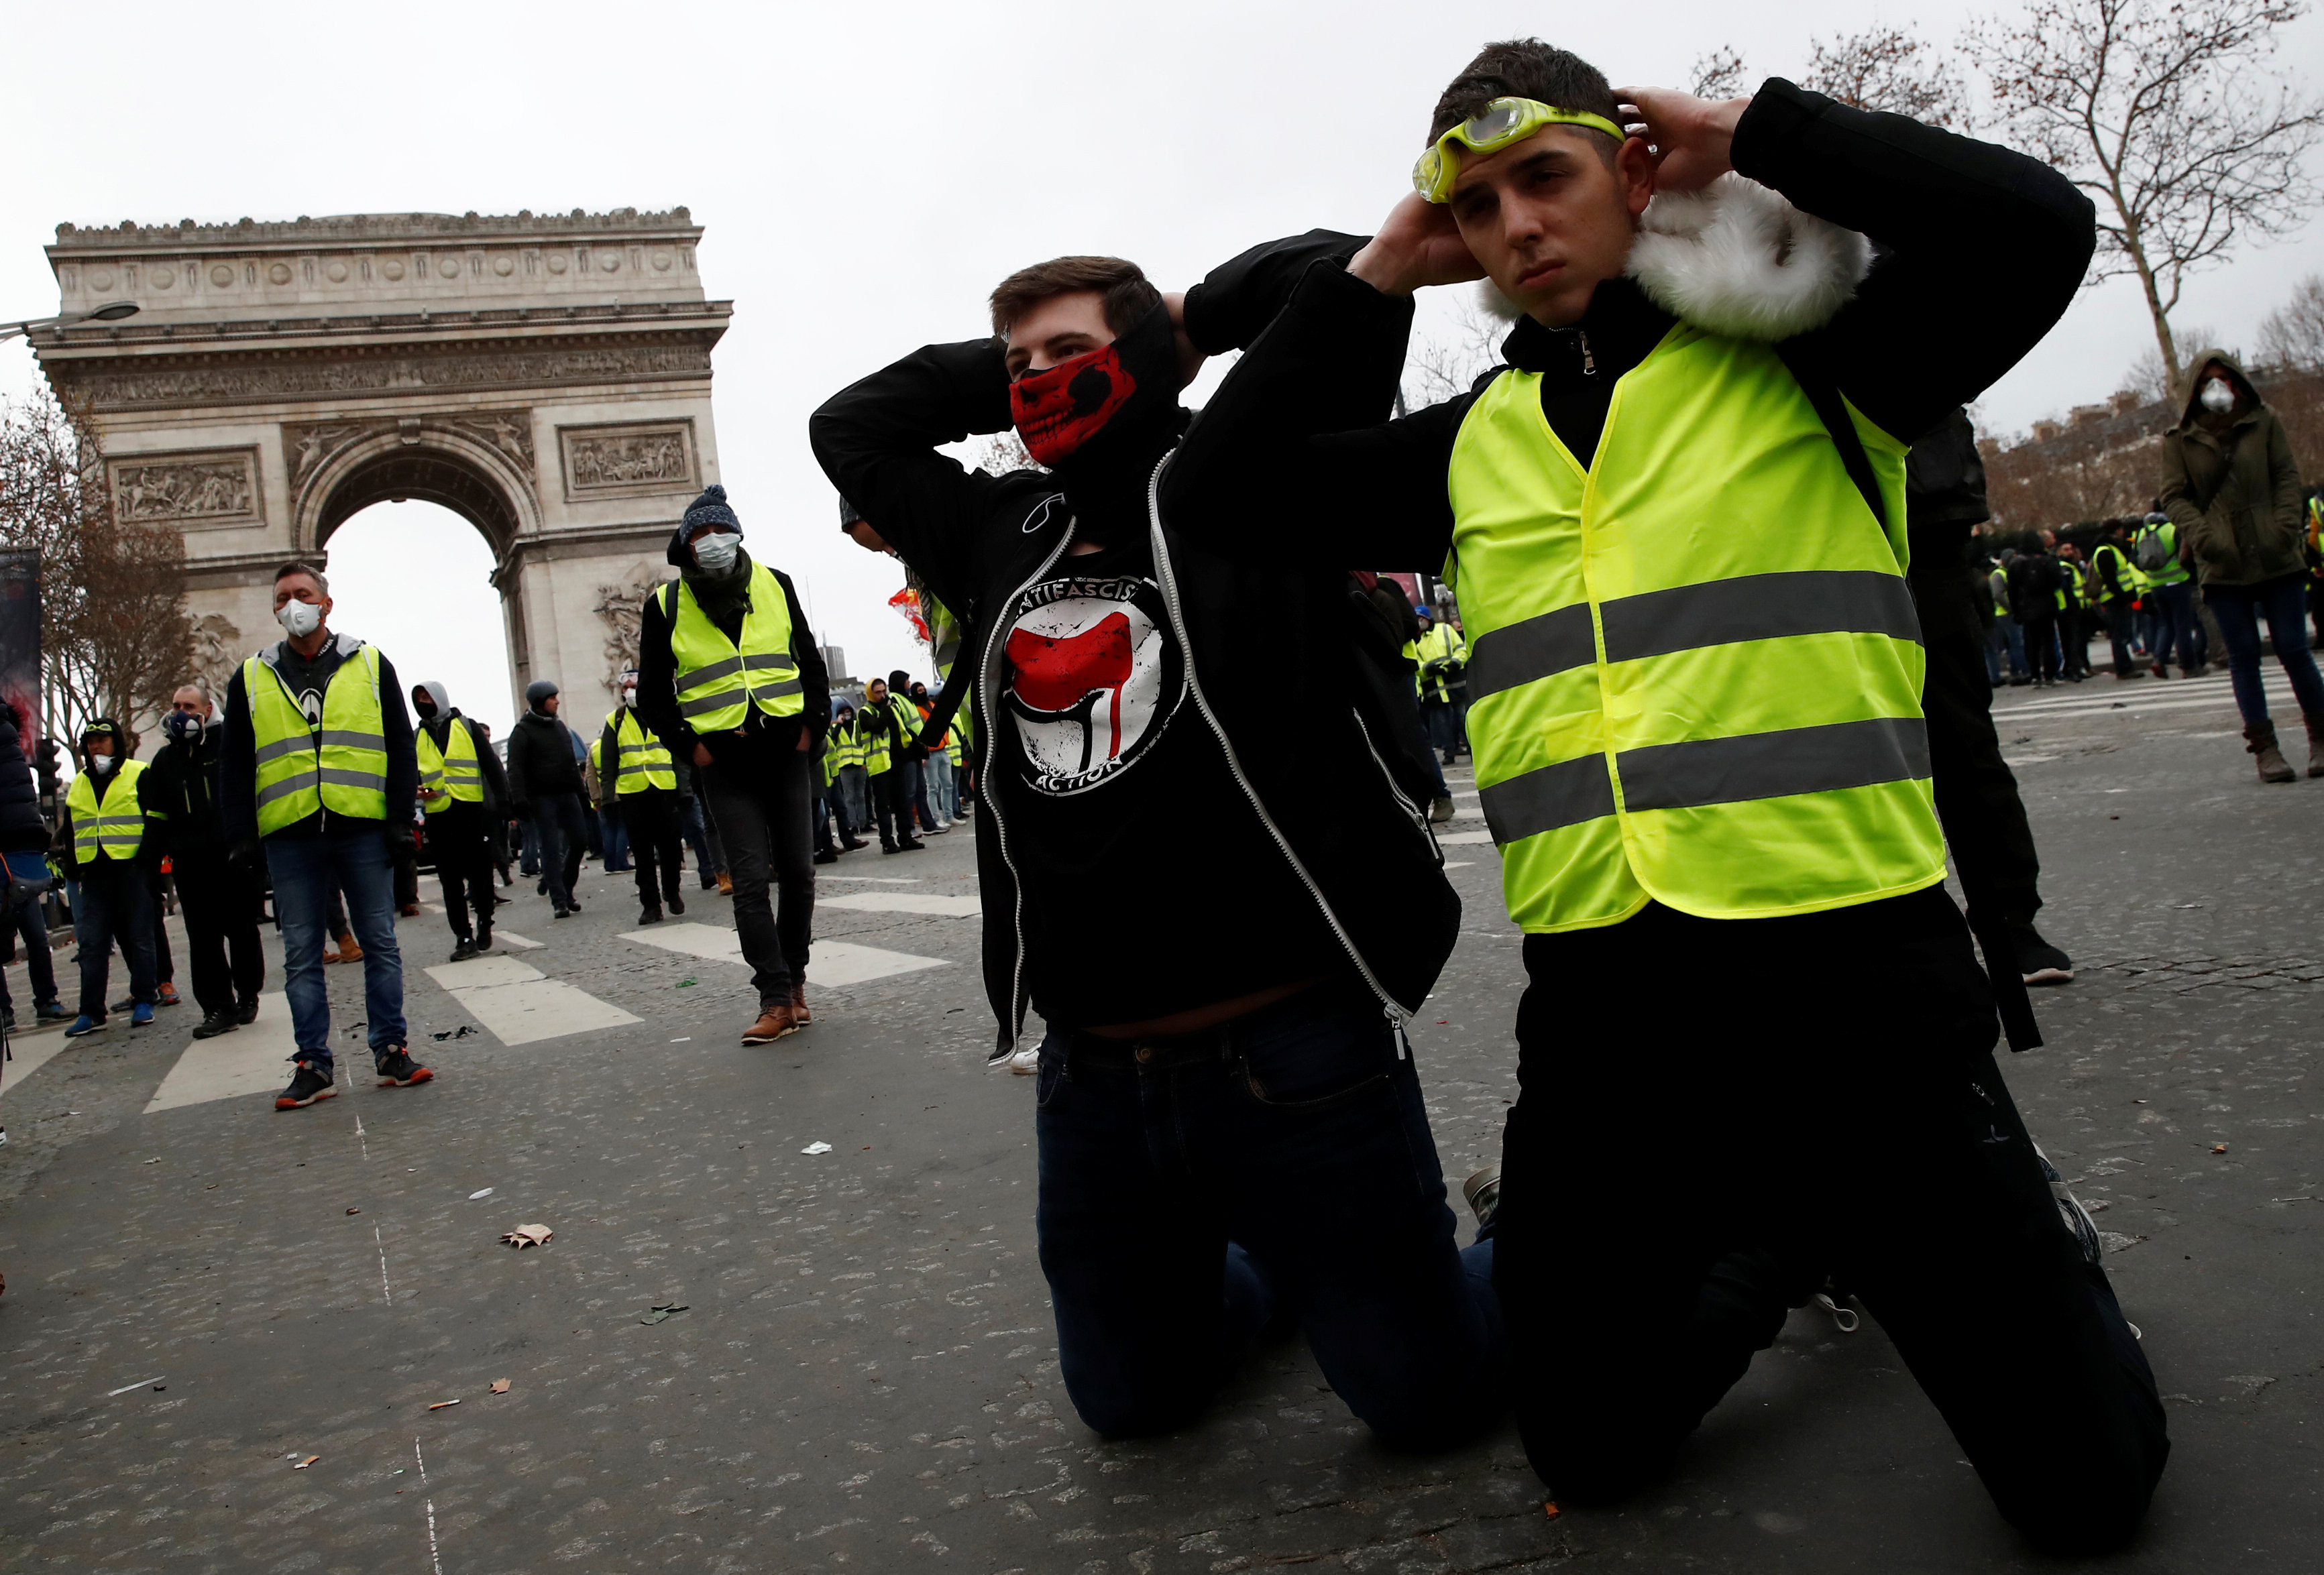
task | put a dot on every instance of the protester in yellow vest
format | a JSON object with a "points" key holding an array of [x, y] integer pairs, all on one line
{"points": [[111, 859], [2114, 588], [637, 780], [850, 781], [319, 768], [731, 679], [466, 796], [1675, 523], [1444, 681]]}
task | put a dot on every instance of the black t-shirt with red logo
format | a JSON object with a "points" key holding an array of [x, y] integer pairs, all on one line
{"points": [[1151, 886]]}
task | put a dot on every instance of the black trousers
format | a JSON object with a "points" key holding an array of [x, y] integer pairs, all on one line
{"points": [[557, 821], [461, 838], [892, 807], [2041, 645], [762, 823], [1977, 796], [652, 817], [2074, 641], [219, 899], [1681, 1166], [2118, 619]]}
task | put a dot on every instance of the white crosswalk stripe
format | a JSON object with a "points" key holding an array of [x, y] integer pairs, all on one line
{"points": [[252, 1060], [906, 902], [522, 1005], [835, 963]]}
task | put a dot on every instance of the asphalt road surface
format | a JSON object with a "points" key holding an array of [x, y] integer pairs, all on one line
{"points": [[227, 1333]]}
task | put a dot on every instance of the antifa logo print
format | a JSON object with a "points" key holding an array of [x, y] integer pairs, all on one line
{"points": [[1057, 410], [1088, 675]]}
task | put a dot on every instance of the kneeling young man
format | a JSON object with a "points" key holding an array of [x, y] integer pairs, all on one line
{"points": [[1756, 1046], [1229, 1122]]}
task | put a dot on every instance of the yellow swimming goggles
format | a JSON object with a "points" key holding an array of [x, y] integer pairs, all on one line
{"points": [[1502, 122]]}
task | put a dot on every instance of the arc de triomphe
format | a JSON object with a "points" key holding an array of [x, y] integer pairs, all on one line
{"points": [[546, 377]]}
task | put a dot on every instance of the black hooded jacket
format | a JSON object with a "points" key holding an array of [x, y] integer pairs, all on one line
{"points": [[1270, 638], [22, 828], [739, 751]]}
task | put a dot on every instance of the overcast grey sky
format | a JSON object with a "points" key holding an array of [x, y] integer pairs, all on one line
{"points": [[865, 173]]}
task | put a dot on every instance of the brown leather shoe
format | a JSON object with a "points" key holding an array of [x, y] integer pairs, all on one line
{"points": [[725, 884], [775, 1022], [799, 1014]]}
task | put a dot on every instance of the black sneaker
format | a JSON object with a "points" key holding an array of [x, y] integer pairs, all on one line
{"points": [[398, 1070], [650, 914], [464, 950], [910, 846], [2039, 961], [677, 903], [308, 1086], [248, 1012], [212, 1024], [826, 857]]}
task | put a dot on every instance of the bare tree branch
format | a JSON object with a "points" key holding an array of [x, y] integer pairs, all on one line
{"points": [[2171, 116], [1719, 74], [2292, 336], [1891, 68], [1439, 369]]}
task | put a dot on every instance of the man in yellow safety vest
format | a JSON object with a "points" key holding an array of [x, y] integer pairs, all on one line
{"points": [[731, 679], [1676, 522], [464, 796], [319, 769], [637, 780], [112, 860]]}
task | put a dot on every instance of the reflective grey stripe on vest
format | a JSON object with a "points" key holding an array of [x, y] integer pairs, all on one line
{"points": [[337, 778], [302, 782], [1565, 794], [1533, 648], [724, 668], [361, 740], [285, 746], [1759, 607], [1689, 617], [1715, 770]]}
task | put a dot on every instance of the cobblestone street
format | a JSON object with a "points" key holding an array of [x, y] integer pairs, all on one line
{"points": [[235, 1340]]}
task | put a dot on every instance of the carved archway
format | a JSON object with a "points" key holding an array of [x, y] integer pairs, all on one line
{"points": [[545, 377]]}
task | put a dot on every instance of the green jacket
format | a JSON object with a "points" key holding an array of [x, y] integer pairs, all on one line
{"points": [[2233, 492]]}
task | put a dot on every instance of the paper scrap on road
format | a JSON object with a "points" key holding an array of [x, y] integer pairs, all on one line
{"points": [[500, 1386], [485, 1193], [525, 1236], [817, 1147]]}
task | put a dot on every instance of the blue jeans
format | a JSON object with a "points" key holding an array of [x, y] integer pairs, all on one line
{"points": [[2283, 602], [2177, 633], [943, 793], [557, 819], [616, 834], [113, 903], [2012, 639], [1190, 1186], [306, 871]]}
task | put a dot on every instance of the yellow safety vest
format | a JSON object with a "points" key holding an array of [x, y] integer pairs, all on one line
{"points": [[1694, 669], [2125, 576], [340, 767], [645, 760], [452, 771], [718, 682], [2070, 585], [2173, 572], [874, 747], [1441, 641], [104, 831]]}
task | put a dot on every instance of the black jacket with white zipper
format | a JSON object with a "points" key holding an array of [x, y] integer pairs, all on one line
{"points": [[1271, 655]]}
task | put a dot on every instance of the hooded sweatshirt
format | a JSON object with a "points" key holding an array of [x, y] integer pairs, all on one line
{"points": [[439, 729], [2231, 486]]}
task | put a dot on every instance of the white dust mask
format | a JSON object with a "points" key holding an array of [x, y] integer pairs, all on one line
{"points": [[2218, 397], [715, 552], [300, 618]]}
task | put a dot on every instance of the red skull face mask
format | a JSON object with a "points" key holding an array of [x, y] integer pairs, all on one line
{"points": [[1057, 410]]}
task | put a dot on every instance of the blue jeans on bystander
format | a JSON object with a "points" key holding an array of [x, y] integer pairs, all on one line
{"points": [[2283, 604], [305, 871]]}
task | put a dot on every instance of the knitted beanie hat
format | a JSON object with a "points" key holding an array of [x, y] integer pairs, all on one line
{"points": [[710, 509]]}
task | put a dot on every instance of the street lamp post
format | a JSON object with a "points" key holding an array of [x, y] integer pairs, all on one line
{"points": [[112, 311]]}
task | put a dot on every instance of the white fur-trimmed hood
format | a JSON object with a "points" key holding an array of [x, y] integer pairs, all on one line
{"points": [[1735, 258]]}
